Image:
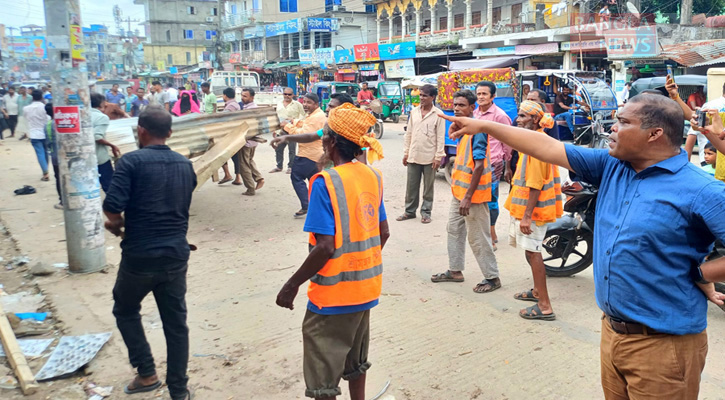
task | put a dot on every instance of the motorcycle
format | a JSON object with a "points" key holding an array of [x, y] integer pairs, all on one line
{"points": [[377, 129], [569, 242]]}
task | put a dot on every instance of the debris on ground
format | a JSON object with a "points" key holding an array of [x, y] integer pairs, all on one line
{"points": [[97, 392], [72, 353], [40, 269], [20, 260], [31, 347], [22, 302]]}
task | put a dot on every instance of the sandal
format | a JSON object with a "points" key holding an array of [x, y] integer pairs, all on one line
{"points": [[405, 217], [140, 389], [445, 277], [301, 213], [534, 312], [45, 178], [425, 220], [487, 285], [527, 295], [225, 180], [25, 190]]}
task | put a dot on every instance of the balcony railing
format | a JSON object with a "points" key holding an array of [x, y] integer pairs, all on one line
{"points": [[246, 17]]}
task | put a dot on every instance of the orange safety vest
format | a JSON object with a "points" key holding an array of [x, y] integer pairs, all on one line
{"points": [[463, 171], [549, 206], [353, 275]]}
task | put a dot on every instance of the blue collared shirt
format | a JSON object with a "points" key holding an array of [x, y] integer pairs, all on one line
{"points": [[652, 228]]}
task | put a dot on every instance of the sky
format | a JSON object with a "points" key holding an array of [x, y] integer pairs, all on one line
{"points": [[17, 13]]}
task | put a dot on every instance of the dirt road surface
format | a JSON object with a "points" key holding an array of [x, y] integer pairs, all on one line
{"points": [[431, 341]]}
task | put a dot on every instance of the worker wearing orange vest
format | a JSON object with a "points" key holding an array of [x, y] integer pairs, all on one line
{"points": [[469, 214], [534, 201], [348, 229]]}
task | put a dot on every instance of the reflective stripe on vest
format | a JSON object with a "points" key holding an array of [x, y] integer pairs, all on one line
{"points": [[548, 207], [463, 173], [353, 275]]}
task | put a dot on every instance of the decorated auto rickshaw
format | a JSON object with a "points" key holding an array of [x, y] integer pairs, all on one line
{"points": [[324, 89], [507, 94]]}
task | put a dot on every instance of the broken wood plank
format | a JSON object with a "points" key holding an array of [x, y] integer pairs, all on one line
{"points": [[15, 356], [221, 151]]}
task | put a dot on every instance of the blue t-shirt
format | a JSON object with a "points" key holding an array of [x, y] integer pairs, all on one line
{"points": [[652, 228], [114, 99], [321, 220], [480, 144]]}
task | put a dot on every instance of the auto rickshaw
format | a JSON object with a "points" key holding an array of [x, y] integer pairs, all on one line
{"points": [[390, 96], [324, 89]]}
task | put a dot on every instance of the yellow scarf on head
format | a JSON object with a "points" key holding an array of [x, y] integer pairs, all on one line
{"points": [[534, 108], [353, 124]]}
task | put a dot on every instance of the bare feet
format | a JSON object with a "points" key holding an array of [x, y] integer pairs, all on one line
{"points": [[260, 183], [275, 170]]}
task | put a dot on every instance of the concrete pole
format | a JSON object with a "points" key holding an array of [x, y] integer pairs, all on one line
{"points": [[80, 188], [449, 21], [402, 26], [434, 26], [390, 28], [281, 45], [312, 40], [291, 42], [686, 12], [417, 25], [377, 22], [489, 17], [469, 16]]}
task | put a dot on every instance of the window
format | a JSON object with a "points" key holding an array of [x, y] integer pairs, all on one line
{"points": [[188, 57], [443, 23], [369, 8], [516, 13], [288, 6], [191, 10], [168, 35], [458, 21], [258, 44], [234, 9], [213, 12], [169, 59], [496, 14], [476, 18], [210, 35], [188, 34]]}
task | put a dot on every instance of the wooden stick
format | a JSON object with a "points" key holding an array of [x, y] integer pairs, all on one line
{"points": [[16, 357]]}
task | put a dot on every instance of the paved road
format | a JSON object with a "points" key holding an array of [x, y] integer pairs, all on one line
{"points": [[431, 341]]}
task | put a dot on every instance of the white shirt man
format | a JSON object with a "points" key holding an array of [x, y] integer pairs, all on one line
{"points": [[37, 119]]}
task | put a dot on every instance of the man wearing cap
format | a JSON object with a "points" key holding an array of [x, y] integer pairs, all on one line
{"points": [[348, 230], [534, 201], [309, 154]]}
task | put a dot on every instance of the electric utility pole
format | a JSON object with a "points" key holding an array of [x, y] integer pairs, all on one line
{"points": [[76, 146]]}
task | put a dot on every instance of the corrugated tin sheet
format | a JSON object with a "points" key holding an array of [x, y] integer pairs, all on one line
{"points": [[193, 134], [695, 52], [720, 60]]}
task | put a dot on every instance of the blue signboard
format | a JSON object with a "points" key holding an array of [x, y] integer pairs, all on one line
{"points": [[253, 32], [323, 24], [397, 51], [282, 28], [344, 56]]}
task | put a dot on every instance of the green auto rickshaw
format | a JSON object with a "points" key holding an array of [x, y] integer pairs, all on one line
{"points": [[392, 99], [324, 89]]}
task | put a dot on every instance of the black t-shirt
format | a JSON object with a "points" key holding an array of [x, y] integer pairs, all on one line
{"points": [[561, 98]]}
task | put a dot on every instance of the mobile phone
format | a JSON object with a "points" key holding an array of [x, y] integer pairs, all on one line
{"points": [[701, 118], [669, 71]]}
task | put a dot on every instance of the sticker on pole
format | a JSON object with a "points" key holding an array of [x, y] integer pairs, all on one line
{"points": [[67, 119]]}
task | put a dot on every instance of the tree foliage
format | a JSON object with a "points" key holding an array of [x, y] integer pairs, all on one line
{"points": [[671, 8]]}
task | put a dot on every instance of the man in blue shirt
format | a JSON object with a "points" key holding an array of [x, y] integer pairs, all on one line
{"points": [[113, 96], [657, 217]]}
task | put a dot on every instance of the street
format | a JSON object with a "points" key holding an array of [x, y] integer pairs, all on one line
{"points": [[431, 341]]}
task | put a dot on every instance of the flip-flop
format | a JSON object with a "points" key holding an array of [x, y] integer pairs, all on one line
{"points": [[142, 389], [527, 295], [445, 277], [425, 220], [25, 190], [225, 180], [534, 312], [491, 286], [237, 183], [405, 217]]}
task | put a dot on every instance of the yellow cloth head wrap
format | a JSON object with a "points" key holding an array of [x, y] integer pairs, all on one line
{"points": [[534, 108], [353, 124]]}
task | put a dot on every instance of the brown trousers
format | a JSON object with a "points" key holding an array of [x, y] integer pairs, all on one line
{"points": [[657, 366], [248, 168]]}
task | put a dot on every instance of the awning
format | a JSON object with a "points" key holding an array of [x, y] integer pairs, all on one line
{"points": [[279, 65], [698, 52], [493, 62], [441, 53]]}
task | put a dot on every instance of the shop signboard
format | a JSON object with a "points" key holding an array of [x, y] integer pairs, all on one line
{"points": [[397, 51], [400, 69], [367, 52], [532, 49], [597, 44], [252, 32], [631, 42], [496, 51], [283, 28], [325, 56], [28, 47], [235, 58], [344, 56], [368, 67], [323, 24], [307, 57]]}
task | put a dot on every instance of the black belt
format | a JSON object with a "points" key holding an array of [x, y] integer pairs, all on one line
{"points": [[629, 328]]}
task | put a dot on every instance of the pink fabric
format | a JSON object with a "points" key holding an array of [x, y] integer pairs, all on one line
{"points": [[177, 106], [497, 150]]}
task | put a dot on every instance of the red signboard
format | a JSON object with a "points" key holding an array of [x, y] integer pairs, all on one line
{"points": [[367, 52], [67, 119]]}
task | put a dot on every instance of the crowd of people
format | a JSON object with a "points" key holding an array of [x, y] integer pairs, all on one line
{"points": [[657, 217]]}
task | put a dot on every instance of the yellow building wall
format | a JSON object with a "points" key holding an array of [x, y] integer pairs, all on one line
{"points": [[155, 55], [552, 20]]}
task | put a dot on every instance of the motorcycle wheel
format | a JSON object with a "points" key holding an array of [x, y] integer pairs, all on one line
{"points": [[449, 170], [395, 118], [378, 129], [555, 243]]}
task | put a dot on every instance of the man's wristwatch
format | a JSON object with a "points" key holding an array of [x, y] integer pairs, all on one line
{"points": [[697, 276]]}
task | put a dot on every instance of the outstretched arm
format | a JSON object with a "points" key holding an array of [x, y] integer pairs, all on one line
{"points": [[299, 138], [535, 144]]}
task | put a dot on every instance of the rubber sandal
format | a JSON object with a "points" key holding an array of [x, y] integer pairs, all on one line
{"points": [[25, 190], [237, 183], [527, 295], [445, 277], [405, 217], [534, 312], [142, 389], [489, 283], [223, 181], [425, 220]]}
